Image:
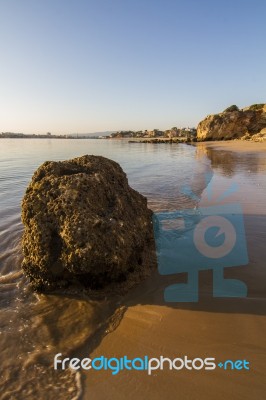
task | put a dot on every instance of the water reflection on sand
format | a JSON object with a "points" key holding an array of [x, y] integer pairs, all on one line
{"points": [[36, 327]]}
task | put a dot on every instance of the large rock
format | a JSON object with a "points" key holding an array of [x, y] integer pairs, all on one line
{"points": [[233, 123], [83, 224]]}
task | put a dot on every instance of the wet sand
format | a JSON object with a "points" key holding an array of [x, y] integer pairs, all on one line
{"points": [[239, 146], [228, 328], [33, 328]]}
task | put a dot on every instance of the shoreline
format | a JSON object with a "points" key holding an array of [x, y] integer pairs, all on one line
{"points": [[234, 145], [139, 322], [239, 146], [221, 328]]}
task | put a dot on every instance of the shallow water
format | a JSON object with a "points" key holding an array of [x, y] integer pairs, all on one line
{"points": [[223, 328], [36, 327], [33, 328]]}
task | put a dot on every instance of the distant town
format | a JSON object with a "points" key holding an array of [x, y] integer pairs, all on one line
{"points": [[49, 135], [186, 133]]}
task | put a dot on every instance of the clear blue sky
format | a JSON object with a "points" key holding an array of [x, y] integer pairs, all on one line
{"points": [[85, 66]]}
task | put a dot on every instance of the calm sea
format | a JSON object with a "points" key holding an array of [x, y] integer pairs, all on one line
{"points": [[33, 328]]}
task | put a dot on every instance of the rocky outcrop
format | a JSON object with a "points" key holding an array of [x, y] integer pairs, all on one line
{"points": [[83, 224], [233, 123]]}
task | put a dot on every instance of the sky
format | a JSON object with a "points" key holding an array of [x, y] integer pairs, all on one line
{"points": [[97, 65]]}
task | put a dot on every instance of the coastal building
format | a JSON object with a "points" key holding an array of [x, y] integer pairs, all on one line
{"points": [[155, 133]]}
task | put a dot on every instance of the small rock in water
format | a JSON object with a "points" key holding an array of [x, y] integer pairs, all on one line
{"points": [[83, 224]]}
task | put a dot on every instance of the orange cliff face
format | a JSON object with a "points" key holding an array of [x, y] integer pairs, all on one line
{"points": [[234, 124]]}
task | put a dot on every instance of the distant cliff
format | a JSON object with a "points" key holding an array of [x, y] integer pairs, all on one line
{"points": [[233, 123]]}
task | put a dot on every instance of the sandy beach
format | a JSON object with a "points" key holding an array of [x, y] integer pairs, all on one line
{"points": [[223, 328], [239, 146]]}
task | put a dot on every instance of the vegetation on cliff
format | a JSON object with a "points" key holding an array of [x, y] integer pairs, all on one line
{"points": [[234, 123]]}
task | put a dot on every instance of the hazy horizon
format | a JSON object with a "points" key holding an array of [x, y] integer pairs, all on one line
{"points": [[86, 66]]}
